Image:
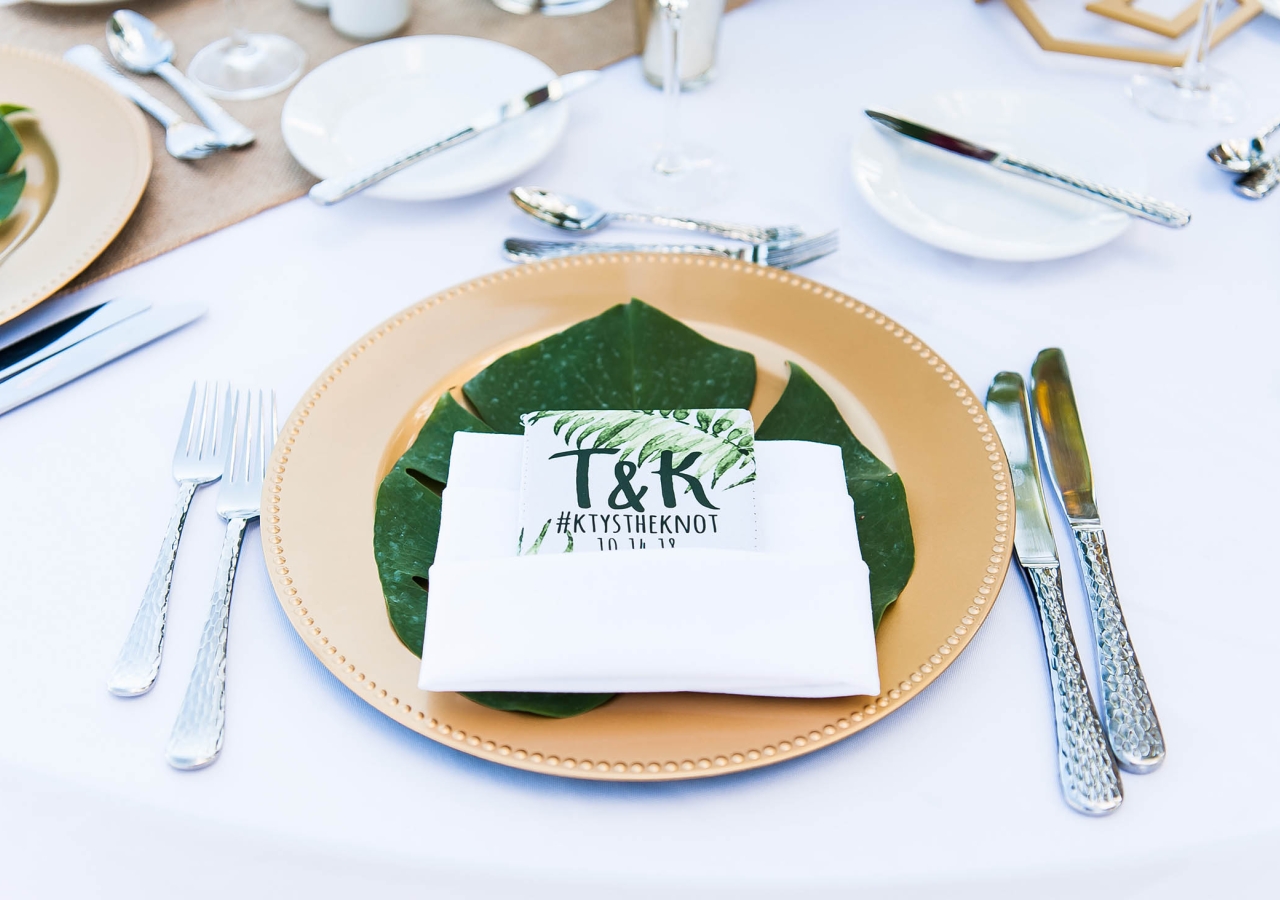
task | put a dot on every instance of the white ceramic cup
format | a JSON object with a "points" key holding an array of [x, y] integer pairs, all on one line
{"points": [[368, 19]]}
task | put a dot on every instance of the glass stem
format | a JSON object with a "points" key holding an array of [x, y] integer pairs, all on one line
{"points": [[670, 153], [235, 17], [1193, 75]]}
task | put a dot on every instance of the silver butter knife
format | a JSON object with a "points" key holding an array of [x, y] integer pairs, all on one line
{"points": [[53, 339], [92, 352], [1132, 726], [1126, 201], [1086, 769], [340, 187]]}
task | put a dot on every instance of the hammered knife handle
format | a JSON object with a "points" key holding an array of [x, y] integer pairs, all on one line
{"points": [[1132, 726], [196, 738], [1134, 204], [1090, 780], [138, 664]]}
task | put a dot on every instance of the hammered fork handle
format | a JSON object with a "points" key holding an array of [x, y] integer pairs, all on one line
{"points": [[1132, 726], [752, 234], [138, 664], [196, 738], [1090, 780]]}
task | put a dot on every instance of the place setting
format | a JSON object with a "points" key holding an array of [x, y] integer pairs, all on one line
{"points": [[467, 433], [652, 493]]}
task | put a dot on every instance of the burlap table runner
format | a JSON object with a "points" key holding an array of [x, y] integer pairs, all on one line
{"points": [[185, 200]]}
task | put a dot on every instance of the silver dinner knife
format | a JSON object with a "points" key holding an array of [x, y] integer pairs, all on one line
{"points": [[1134, 204], [95, 351], [340, 187], [1086, 768], [53, 339], [1130, 717]]}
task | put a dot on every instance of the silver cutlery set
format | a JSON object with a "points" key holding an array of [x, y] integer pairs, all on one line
{"points": [[1256, 168], [784, 247], [1091, 749], [225, 435], [139, 45]]}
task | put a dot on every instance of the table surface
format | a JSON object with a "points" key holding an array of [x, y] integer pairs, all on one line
{"points": [[1171, 340]]}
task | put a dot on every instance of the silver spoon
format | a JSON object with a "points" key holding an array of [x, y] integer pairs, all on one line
{"points": [[183, 139], [1242, 155], [1258, 183], [576, 214], [143, 48]]}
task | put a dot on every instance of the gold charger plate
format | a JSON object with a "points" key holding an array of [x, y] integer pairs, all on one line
{"points": [[362, 413], [100, 158]]}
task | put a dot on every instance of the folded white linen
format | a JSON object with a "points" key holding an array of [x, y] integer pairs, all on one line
{"points": [[792, 619]]}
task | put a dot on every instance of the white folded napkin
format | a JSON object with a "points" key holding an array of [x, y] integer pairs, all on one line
{"points": [[792, 619]]}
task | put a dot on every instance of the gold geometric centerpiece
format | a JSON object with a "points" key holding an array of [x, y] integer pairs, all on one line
{"points": [[1126, 11]]}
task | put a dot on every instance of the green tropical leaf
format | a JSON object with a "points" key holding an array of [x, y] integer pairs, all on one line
{"points": [[10, 146], [608, 363], [435, 441], [406, 523], [805, 412], [11, 186], [8, 109], [604, 363]]}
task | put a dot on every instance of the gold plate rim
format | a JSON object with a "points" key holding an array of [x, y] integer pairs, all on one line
{"points": [[323, 615], [88, 211]]}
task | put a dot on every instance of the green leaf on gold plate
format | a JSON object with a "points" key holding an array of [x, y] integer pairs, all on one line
{"points": [[642, 362]]}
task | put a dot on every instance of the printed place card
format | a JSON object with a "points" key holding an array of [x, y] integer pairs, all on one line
{"points": [[628, 479]]}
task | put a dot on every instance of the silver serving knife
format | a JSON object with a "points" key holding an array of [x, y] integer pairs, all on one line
{"points": [[52, 339], [1132, 726], [340, 187], [92, 352], [1086, 769], [1126, 201]]}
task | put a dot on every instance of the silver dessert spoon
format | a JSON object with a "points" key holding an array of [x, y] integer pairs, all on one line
{"points": [[1259, 182], [583, 216], [143, 48], [1242, 155]]}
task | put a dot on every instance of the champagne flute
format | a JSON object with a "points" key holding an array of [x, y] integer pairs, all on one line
{"points": [[1192, 92], [681, 175], [245, 66]]}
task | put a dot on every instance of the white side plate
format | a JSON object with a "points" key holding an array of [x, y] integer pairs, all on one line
{"points": [[369, 102], [967, 207]]}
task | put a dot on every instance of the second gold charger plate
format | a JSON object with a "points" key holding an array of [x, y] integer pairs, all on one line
{"points": [[901, 399], [89, 163]]}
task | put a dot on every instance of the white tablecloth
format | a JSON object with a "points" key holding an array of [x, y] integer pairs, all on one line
{"points": [[1171, 338]]}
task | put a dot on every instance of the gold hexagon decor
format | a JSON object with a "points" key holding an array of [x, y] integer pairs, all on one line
{"points": [[1123, 11]]}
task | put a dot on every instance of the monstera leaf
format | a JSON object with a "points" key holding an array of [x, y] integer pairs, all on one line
{"points": [[651, 369], [629, 357], [603, 363], [804, 412], [11, 183]]}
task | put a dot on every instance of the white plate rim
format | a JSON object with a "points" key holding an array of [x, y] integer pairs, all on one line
{"points": [[957, 240], [298, 144]]}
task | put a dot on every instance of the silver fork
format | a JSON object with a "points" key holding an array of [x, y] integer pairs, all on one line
{"points": [[202, 446], [196, 738], [780, 254]]}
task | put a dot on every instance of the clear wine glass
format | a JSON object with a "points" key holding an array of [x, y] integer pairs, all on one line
{"points": [[245, 66], [682, 176], [1192, 92]]}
